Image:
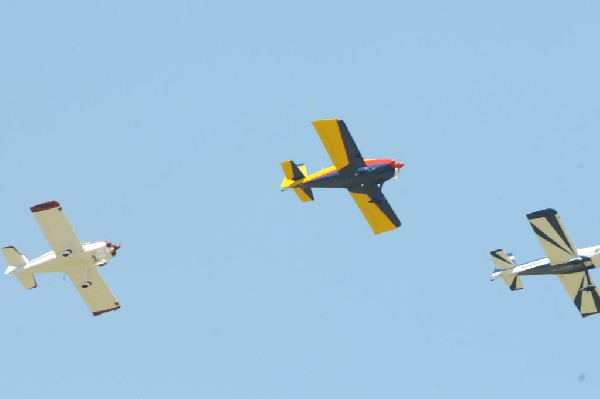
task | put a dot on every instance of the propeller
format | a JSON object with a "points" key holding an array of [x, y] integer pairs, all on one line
{"points": [[397, 167], [115, 247]]}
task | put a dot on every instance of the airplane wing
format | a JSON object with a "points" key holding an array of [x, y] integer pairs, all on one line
{"points": [[583, 292], [98, 297], [375, 208], [56, 227], [552, 236], [339, 143]]}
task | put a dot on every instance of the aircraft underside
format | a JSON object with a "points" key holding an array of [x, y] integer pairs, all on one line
{"points": [[559, 269], [79, 261], [351, 180], [363, 178]]}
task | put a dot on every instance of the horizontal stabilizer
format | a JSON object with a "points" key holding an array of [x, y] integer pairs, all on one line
{"points": [[27, 279], [13, 257], [502, 260], [513, 282], [293, 171], [294, 175], [305, 194]]}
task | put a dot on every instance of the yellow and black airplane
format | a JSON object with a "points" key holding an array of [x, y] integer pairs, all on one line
{"points": [[363, 178]]}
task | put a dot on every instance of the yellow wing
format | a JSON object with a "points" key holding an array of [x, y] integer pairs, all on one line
{"points": [[375, 208], [339, 143]]}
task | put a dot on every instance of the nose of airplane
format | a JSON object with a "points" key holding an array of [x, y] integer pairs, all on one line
{"points": [[115, 248], [397, 166]]}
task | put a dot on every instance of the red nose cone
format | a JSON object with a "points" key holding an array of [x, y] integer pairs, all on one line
{"points": [[115, 248], [398, 165]]}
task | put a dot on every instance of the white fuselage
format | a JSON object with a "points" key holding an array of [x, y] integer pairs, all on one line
{"points": [[96, 253], [588, 258]]}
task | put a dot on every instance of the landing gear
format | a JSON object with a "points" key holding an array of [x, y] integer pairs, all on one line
{"points": [[588, 288], [586, 283], [85, 284]]}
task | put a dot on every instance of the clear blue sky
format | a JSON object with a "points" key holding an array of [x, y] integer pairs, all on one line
{"points": [[161, 125]]}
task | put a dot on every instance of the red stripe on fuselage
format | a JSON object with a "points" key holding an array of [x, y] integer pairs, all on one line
{"points": [[324, 173], [381, 161]]}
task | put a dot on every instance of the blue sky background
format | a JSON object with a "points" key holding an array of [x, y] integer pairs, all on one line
{"points": [[161, 125]]}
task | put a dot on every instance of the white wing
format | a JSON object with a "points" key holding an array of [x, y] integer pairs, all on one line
{"points": [[583, 292], [56, 227], [552, 236], [98, 297]]}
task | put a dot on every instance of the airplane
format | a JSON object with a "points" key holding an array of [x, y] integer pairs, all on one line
{"points": [[78, 260], [363, 178], [569, 263]]}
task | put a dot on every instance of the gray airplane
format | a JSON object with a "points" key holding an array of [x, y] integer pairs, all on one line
{"points": [[569, 263]]}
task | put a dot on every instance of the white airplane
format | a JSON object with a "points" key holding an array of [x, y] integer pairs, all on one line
{"points": [[68, 256], [569, 263]]}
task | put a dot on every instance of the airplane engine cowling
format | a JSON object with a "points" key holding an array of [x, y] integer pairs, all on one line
{"points": [[113, 248]]}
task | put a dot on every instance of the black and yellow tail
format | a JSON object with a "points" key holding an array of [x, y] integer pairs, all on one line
{"points": [[504, 261], [294, 176]]}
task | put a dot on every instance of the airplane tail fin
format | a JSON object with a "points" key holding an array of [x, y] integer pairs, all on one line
{"points": [[504, 261], [292, 172], [294, 175], [513, 282], [305, 194], [16, 260]]}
